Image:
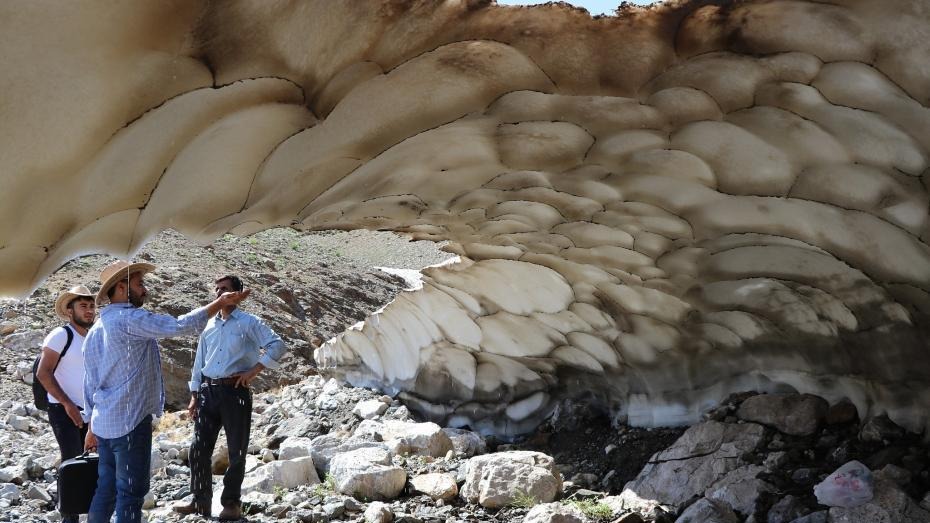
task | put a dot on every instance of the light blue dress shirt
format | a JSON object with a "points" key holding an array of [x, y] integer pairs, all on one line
{"points": [[233, 345], [122, 365]]}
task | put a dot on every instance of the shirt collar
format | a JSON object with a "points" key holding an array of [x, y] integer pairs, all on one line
{"points": [[114, 306], [232, 315]]}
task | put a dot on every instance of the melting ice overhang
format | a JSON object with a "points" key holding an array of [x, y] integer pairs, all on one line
{"points": [[653, 209]]}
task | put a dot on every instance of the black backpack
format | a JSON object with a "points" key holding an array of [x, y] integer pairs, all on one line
{"points": [[39, 394]]}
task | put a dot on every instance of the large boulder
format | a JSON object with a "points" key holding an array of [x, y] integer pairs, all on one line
{"points": [[404, 437], [296, 447], [466, 442], [436, 485], [703, 455], [369, 409], [367, 474], [795, 414], [27, 342], [496, 480], [284, 473], [324, 447]]}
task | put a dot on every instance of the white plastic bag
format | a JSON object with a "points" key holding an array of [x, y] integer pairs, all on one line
{"points": [[849, 486]]}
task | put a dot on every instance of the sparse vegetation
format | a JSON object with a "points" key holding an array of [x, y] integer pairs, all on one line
{"points": [[524, 500], [592, 509], [169, 421], [324, 488]]}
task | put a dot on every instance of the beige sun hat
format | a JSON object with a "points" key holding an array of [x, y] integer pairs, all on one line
{"points": [[61, 304], [116, 271]]}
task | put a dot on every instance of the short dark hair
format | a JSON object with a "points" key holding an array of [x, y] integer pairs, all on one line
{"points": [[111, 291], [234, 280], [79, 298]]}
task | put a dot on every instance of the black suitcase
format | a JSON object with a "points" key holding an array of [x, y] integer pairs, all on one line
{"points": [[77, 481]]}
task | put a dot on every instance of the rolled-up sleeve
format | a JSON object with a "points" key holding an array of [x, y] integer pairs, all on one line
{"points": [[197, 369], [274, 346], [147, 324]]}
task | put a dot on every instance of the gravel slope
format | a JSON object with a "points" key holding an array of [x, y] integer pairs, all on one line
{"points": [[308, 286]]}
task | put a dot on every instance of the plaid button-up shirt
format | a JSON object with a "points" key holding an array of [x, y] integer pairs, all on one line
{"points": [[122, 365]]}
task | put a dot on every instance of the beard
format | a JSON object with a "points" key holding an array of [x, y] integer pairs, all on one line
{"points": [[136, 299], [82, 323]]}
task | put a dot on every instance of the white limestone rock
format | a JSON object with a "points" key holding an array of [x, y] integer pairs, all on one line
{"points": [[325, 446], [378, 512], [424, 439], [438, 485], [36, 492], [16, 474], [294, 448], [369, 409], [24, 372], [367, 474], [495, 480], [24, 343], [9, 492], [19, 422], [157, 461], [287, 474]]}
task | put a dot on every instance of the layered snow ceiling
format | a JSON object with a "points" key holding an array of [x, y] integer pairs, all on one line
{"points": [[652, 210]]}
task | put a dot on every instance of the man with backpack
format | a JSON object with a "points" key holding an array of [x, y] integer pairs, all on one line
{"points": [[60, 372]]}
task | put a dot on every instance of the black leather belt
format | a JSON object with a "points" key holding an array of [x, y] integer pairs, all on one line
{"points": [[219, 381]]}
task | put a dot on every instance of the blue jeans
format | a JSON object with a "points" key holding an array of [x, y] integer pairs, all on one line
{"points": [[123, 475]]}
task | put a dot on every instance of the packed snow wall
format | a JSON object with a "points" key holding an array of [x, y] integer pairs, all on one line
{"points": [[652, 210]]}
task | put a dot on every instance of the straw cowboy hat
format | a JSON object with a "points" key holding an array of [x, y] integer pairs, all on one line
{"points": [[119, 270], [61, 304]]}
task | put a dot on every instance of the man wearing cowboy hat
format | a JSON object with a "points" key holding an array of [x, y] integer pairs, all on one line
{"points": [[63, 375], [123, 387]]}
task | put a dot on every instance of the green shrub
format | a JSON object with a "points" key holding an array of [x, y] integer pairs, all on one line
{"points": [[324, 488], [523, 500], [593, 509]]}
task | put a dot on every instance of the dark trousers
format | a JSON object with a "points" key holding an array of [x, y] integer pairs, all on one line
{"points": [[229, 408], [70, 440]]}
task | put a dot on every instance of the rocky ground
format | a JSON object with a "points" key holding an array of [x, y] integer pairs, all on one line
{"points": [[325, 452]]}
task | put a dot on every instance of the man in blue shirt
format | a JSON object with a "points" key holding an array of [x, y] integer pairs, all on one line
{"points": [[123, 387], [228, 358]]}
